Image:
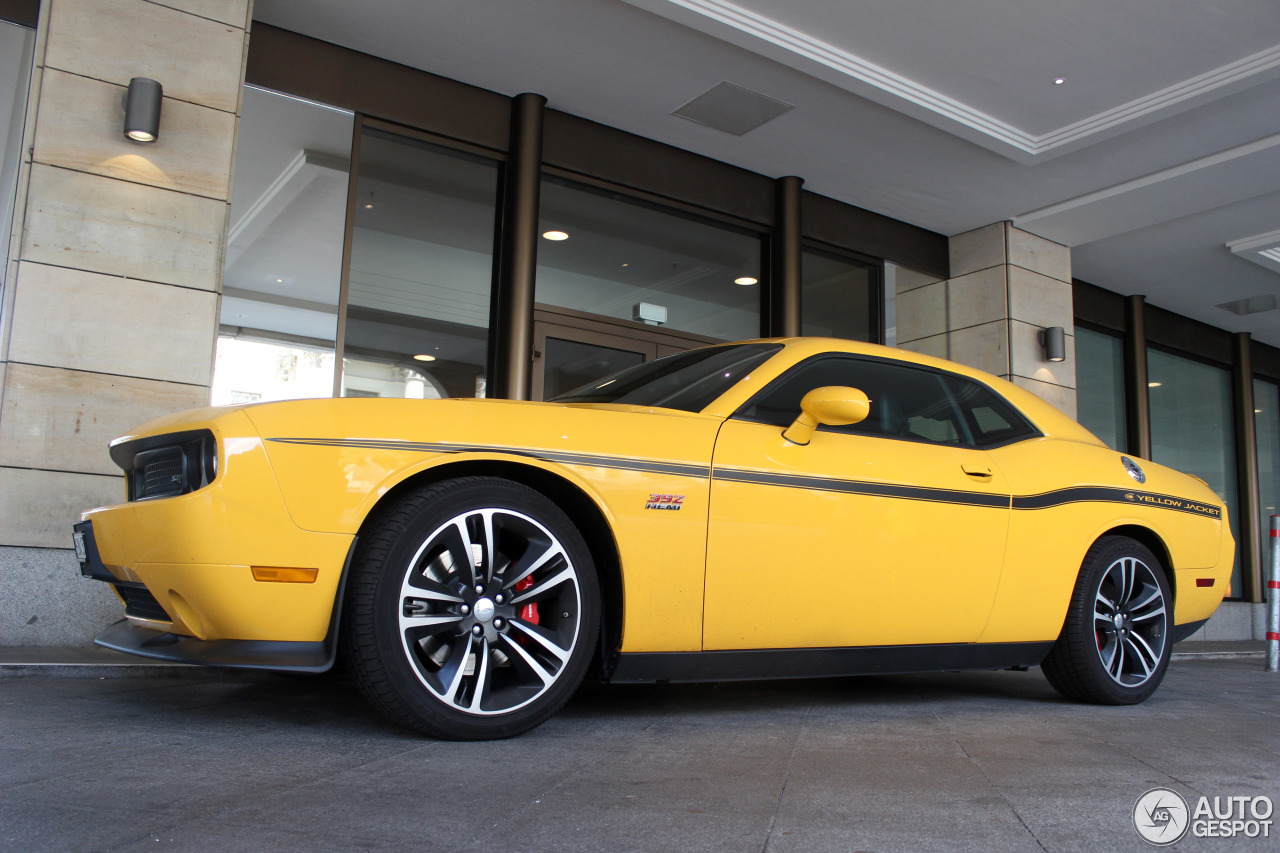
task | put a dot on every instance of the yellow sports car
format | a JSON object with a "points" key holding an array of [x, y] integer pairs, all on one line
{"points": [[768, 509]]}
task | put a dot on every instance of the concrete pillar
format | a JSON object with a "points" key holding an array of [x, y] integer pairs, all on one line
{"points": [[1006, 285], [115, 264]]}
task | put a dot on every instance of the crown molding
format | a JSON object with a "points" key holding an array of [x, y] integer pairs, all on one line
{"points": [[775, 40]]}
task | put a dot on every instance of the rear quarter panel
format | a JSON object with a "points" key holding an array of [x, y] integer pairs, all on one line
{"points": [[1053, 529]]}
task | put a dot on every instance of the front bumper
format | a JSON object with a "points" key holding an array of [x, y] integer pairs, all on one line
{"points": [[185, 565], [127, 637]]}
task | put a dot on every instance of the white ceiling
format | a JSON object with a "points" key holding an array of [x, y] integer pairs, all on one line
{"points": [[1161, 146]]}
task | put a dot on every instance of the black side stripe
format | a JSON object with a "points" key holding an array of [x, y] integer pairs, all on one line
{"points": [[855, 487], [1045, 500], [652, 466], [1102, 494]]}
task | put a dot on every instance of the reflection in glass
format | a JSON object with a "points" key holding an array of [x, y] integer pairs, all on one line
{"points": [[1266, 419], [571, 364], [16, 44], [1100, 386], [421, 271], [1192, 429], [284, 251], [838, 298], [619, 253]]}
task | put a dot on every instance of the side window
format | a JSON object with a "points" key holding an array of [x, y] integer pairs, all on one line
{"points": [[992, 421], [906, 402]]}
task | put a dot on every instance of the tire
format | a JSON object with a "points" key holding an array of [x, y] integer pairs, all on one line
{"points": [[1116, 641], [472, 609]]}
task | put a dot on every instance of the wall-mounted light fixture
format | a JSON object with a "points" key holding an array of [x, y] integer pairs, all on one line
{"points": [[142, 109], [1054, 342]]}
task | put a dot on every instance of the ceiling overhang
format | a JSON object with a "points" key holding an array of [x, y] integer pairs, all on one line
{"points": [[777, 41]]}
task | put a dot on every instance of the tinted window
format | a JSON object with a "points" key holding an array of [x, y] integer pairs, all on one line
{"points": [[906, 402], [990, 420], [688, 381]]}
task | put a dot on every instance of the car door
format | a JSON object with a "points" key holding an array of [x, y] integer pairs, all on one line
{"points": [[887, 532]]}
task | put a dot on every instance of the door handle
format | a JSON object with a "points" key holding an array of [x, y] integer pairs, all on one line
{"points": [[974, 469]]}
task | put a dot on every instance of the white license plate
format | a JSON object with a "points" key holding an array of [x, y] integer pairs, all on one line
{"points": [[78, 539]]}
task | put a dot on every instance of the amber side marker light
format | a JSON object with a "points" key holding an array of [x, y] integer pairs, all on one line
{"points": [[275, 574], [1204, 581]]}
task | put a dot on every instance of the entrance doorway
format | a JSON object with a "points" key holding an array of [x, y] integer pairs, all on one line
{"points": [[572, 348]]}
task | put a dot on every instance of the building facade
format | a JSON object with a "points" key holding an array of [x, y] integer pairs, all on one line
{"points": [[316, 221]]}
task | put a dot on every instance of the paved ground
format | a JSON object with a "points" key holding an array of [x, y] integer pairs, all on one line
{"points": [[202, 760]]}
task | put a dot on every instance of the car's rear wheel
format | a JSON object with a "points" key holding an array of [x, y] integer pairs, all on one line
{"points": [[1115, 644], [471, 609]]}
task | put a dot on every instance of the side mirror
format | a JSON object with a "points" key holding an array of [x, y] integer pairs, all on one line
{"points": [[834, 405]]}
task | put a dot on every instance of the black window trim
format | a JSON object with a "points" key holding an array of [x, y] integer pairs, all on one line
{"points": [[1032, 430]]}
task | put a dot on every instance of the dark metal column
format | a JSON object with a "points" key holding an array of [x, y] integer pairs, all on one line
{"points": [[1137, 401], [1250, 521], [511, 316], [784, 279]]}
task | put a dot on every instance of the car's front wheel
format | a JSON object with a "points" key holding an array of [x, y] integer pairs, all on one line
{"points": [[471, 609], [1115, 644]]}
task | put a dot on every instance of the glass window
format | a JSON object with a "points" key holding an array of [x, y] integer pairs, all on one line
{"points": [[421, 271], [838, 298], [906, 403], [606, 255], [991, 421], [15, 69], [570, 364], [689, 381], [283, 273], [1266, 419], [1192, 429], [1100, 386]]}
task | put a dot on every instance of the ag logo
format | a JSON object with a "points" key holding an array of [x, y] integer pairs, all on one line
{"points": [[1161, 816]]}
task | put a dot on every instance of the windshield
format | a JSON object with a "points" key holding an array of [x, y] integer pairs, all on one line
{"points": [[688, 381]]}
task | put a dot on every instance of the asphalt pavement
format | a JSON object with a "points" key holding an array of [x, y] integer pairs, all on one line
{"points": [[175, 758]]}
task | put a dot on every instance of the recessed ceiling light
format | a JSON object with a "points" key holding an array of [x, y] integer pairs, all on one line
{"points": [[746, 279], [555, 236], [279, 281], [1154, 384], [424, 357], [626, 265], [369, 206], [1257, 411], [1058, 81]]}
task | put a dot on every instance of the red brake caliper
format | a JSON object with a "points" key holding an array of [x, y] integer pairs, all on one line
{"points": [[529, 613]]}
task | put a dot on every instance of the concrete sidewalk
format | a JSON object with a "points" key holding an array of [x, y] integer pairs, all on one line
{"points": [[993, 761]]}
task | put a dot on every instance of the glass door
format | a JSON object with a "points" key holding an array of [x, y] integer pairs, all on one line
{"points": [[565, 358]]}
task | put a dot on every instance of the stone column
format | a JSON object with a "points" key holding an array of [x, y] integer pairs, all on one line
{"points": [[1006, 285], [110, 314]]}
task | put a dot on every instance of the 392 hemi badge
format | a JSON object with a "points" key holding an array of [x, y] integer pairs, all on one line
{"points": [[664, 502]]}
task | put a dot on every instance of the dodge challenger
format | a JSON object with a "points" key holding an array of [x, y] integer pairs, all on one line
{"points": [[778, 508]]}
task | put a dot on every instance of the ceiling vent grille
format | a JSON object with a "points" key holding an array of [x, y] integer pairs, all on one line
{"points": [[732, 109]]}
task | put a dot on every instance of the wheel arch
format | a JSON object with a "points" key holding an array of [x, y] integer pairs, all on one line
{"points": [[576, 503], [1155, 544]]}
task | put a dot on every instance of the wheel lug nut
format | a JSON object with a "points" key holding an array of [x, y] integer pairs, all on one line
{"points": [[464, 610], [499, 598], [497, 623], [477, 630], [479, 589]]}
